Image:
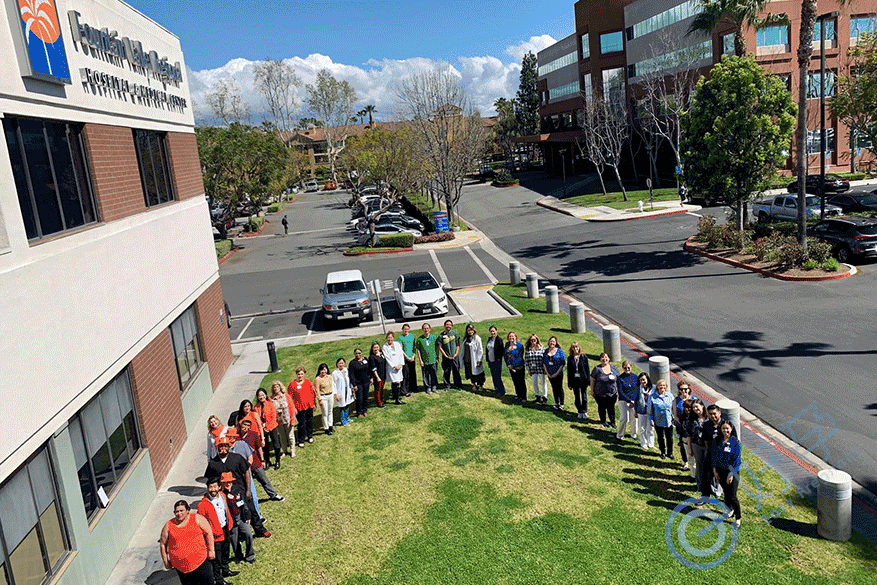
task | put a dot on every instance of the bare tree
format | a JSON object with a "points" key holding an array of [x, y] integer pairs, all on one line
{"points": [[226, 103], [607, 131], [331, 101], [588, 144], [278, 82], [449, 130]]}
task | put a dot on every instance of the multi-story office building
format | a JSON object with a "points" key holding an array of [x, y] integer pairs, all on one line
{"points": [[113, 333], [620, 42]]}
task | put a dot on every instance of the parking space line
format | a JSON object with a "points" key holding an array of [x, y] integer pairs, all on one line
{"points": [[484, 268], [438, 268], [311, 327], [244, 330]]}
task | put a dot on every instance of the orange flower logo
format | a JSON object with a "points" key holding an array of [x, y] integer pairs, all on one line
{"points": [[40, 18]]}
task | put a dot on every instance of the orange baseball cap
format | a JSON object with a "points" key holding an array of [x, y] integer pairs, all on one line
{"points": [[222, 441], [227, 477]]}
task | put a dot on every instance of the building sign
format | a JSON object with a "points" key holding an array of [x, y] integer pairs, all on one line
{"points": [[142, 93], [110, 44], [43, 56]]}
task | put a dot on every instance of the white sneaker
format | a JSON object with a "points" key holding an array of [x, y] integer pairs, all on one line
{"points": [[737, 523]]}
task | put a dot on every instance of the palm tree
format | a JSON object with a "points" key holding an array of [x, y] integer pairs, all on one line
{"points": [[361, 114], [736, 13], [370, 109]]}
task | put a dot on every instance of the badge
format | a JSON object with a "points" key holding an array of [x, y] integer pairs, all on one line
{"points": [[611, 376]]}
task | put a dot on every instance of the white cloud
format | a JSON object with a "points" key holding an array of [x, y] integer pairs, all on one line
{"points": [[485, 78]]}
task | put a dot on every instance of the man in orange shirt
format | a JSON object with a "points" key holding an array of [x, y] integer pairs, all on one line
{"points": [[214, 507], [257, 469]]}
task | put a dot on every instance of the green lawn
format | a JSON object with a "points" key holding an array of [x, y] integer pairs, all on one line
{"points": [[615, 200], [223, 247], [424, 203], [460, 487]]}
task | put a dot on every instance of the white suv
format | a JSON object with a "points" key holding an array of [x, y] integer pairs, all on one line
{"points": [[345, 296]]}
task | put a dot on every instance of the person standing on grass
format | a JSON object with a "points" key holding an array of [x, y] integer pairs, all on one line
{"points": [[214, 508], [577, 369], [360, 376], [644, 391], [240, 469], [627, 391], [186, 545], [409, 372], [304, 400], [285, 223], [425, 345], [726, 468], [267, 413], [683, 393], [694, 438], [240, 517], [494, 353], [245, 451], [533, 354], [257, 467], [326, 396], [473, 357], [343, 390], [285, 417], [513, 354], [377, 365], [711, 431], [661, 416], [395, 357], [449, 346], [604, 389], [553, 362]]}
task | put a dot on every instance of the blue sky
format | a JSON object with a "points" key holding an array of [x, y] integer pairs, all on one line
{"points": [[370, 44]]}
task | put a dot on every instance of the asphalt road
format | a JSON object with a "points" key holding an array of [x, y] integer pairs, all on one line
{"points": [[779, 348]]}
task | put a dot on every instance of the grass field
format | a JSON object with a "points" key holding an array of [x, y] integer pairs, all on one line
{"points": [[461, 487], [616, 201]]}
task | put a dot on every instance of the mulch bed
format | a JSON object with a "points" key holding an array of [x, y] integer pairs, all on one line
{"points": [[773, 269]]}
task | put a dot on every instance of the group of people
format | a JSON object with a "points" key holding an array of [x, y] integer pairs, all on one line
{"points": [[258, 435]]}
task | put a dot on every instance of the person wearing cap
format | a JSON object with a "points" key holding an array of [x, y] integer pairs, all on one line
{"points": [[214, 507], [245, 451], [257, 467], [240, 516], [240, 470]]}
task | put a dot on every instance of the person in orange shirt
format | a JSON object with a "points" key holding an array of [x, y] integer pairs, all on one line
{"points": [[246, 411], [214, 507], [304, 400], [267, 412], [186, 545]]}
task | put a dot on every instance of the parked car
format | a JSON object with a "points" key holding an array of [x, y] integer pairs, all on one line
{"points": [[486, 173], [855, 201], [419, 294], [785, 208], [850, 236], [345, 296], [312, 185], [391, 228], [833, 184]]}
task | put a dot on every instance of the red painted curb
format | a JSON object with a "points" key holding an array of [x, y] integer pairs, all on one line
{"points": [[261, 227], [504, 186], [763, 271], [224, 258], [378, 252]]}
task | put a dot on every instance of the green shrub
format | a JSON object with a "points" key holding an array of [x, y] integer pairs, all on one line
{"points": [[733, 238], [830, 265], [396, 241], [761, 248], [275, 207], [707, 231], [223, 247], [810, 264], [254, 224], [504, 178], [791, 253], [817, 250], [852, 176]]}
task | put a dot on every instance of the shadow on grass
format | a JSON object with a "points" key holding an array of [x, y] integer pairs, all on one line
{"points": [[795, 527]]}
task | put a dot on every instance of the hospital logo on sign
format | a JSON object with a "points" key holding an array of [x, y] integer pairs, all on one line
{"points": [[43, 43]]}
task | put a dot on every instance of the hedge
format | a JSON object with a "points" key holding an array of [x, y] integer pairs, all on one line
{"points": [[442, 237], [396, 241], [255, 224], [275, 207]]}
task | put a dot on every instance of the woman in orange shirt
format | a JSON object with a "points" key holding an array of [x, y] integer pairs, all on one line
{"points": [[267, 412], [186, 544], [303, 397]]}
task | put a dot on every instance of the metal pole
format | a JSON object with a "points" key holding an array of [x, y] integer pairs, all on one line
{"points": [[821, 120]]}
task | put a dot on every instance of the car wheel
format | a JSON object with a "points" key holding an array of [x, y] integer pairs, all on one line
{"points": [[843, 254], [763, 217]]}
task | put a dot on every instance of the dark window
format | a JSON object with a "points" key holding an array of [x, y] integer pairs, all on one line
{"points": [[49, 168], [34, 541], [155, 173], [631, 70], [187, 346], [105, 438], [629, 32]]}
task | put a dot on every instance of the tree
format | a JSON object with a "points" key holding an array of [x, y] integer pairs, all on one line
{"points": [[306, 123], [277, 82], [736, 134], [226, 103], [737, 13], [361, 115], [332, 102], [506, 125], [606, 132], [855, 103], [527, 100], [370, 109]]}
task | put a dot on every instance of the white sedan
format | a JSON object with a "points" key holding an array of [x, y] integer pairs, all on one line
{"points": [[419, 294]]}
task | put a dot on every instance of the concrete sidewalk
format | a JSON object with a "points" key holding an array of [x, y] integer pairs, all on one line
{"points": [[604, 213]]}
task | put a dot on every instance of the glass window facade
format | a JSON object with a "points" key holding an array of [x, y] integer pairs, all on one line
{"points": [[613, 82], [814, 141], [51, 177], [585, 41], [813, 84], [611, 42], [34, 541], [155, 172], [587, 88], [105, 438], [567, 59], [686, 56], [728, 44], [772, 35], [663, 19], [187, 346], [830, 31], [564, 90], [862, 24]]}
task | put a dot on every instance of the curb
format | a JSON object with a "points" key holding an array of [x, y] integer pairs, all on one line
{"points": [[253, 235], [224, 258], [503, 303], [764, 271], [644, 216], [368, 252], [541, 203]]}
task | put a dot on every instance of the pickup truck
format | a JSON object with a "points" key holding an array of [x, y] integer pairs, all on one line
{"points": [[785, 208]]}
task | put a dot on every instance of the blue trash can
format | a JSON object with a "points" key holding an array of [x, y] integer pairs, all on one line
{"points": [[441, 221]]}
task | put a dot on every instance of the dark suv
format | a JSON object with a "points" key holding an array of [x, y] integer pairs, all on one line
{"points": [[849, 236], [833, 184]]}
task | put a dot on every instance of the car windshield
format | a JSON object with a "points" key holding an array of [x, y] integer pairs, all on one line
{"points": [[335, 288], [812, 201], [867, 199], [418, 282], [830, 177], [867, 230]]}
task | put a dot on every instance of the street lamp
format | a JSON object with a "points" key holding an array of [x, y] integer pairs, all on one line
{"points": [[821, 20], [562, 152]]}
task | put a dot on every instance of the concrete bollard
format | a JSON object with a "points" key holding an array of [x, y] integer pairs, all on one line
{"points": [[515, 272], [577, 317], [612, 342], [834, 505], [659, 368], [552, 299], [532, 285], [731, 412]]}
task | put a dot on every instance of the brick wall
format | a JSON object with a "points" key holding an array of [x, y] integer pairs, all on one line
{"points": [[114, 171], [157, 393], [183, 148], [214, 331]]}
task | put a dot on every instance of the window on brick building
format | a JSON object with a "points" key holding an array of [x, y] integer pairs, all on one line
{"points": [[813, 85], [50, 173], [105, 439], [862, 24], [187, 346], [771, 36], [155, 170], [611, 42], [34, 539]]}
